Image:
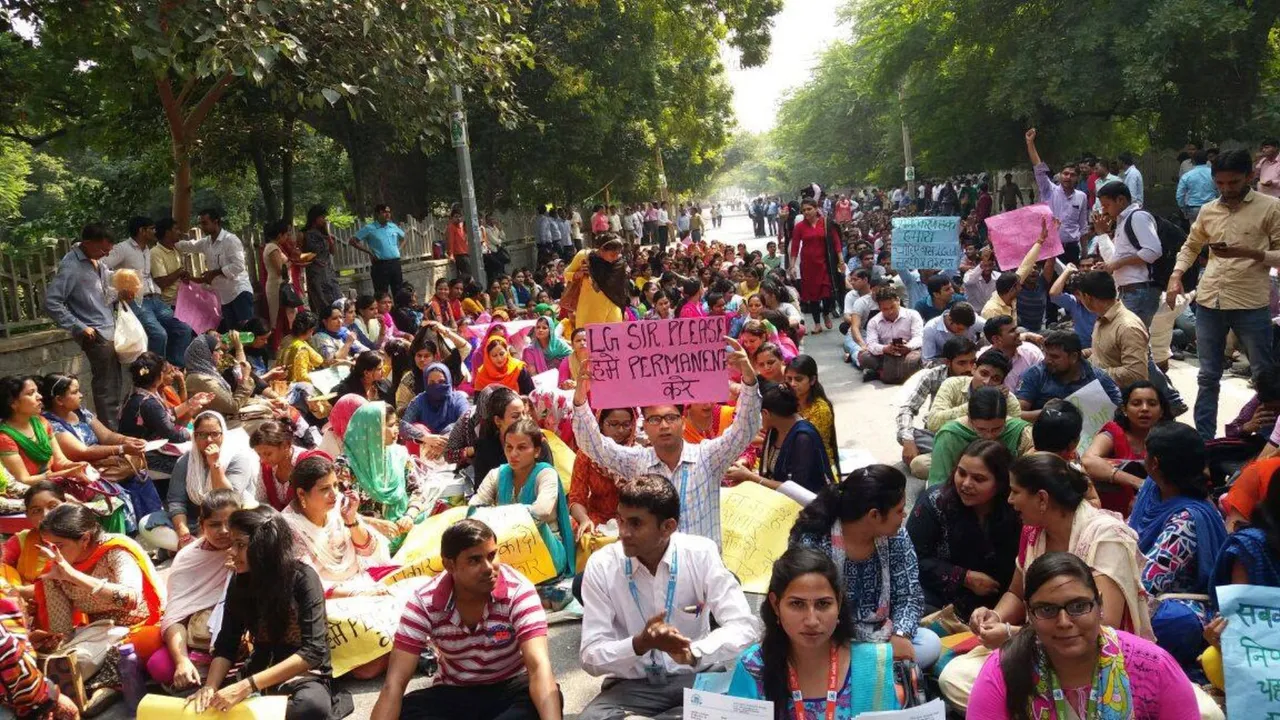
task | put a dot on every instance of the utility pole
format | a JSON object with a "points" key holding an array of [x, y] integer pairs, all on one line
{"points": [[909, 172], [458, 133]]}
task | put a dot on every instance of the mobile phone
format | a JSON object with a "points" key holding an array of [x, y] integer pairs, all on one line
{"points": [[899, 341]]}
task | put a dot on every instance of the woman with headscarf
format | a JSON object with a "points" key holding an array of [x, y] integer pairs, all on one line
{"points": [[429, 418], [571, 366], [203, 357], [332, 335], [601, 276], [217, 460], [497, 367], [545, 349], [339, 417], [380, 466]]}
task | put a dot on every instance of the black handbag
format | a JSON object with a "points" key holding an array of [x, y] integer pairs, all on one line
{"points": [[289, 297]]}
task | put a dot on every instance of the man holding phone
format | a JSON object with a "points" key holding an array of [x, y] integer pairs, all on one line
{"points": [[894, 338], [1242, 230]]}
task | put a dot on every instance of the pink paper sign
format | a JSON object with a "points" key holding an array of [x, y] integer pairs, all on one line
{"points": [[198, 307], [658, 362], [1013, 233]]}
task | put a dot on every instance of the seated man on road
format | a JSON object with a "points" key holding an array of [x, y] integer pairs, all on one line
{"points": [[894, 338], [650, 640], [958, 360], [958, 321], [1002, 332], [1062, 372], [489, 632]]}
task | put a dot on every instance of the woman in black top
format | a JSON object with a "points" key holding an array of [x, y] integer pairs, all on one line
{"points": [[279, 602], [367, 379], [965, 533]]}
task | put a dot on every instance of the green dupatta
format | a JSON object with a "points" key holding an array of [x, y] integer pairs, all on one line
{"points": [[562, 546], [38, 449], [378, 469]]}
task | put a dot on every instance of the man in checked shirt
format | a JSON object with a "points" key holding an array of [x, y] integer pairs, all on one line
{"points": [[958, 357], [694, 470]]}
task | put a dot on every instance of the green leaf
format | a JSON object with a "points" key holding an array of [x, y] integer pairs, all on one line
{"points": [[331, 95]]}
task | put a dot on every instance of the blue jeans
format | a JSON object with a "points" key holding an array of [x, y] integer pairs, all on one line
{"points": [[1144, 301], [236, 312], [1253, 328], [852, 348], [928, 647], [167, 336]]}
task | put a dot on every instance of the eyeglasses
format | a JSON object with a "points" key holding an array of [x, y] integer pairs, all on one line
{"points": [[1075, 608], [620, 425], [671, 419]]}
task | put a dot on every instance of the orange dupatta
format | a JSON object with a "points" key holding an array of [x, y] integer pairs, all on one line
{"points": [[151, 593], [488, 374], [31, 564]]}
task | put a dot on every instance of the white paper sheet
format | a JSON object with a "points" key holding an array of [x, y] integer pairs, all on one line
{"points": [[699, 705], [932, 710]]}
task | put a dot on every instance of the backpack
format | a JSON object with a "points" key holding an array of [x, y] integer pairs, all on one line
{"points": [[1171, 240]]}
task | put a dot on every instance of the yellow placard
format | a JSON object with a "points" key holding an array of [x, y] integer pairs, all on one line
{"points": [[362, 629], [519, 544], [164, 707], [754, 524], [562, 457]]}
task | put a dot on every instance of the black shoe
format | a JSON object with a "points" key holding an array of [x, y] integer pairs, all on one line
{"points": [[869, 375], [1178, 355], [1179, 408]]}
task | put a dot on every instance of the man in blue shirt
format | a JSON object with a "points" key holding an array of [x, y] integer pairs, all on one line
{"points": [[958, 321], [1062, 372], [1132, 177], [1195, 187], [79, 299], [1063, 294], [381, 239]]}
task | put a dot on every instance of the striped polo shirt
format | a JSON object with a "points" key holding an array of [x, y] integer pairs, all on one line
{"points": [[487, 653]]}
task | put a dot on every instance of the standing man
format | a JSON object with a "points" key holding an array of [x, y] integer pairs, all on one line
{"points": [[771, 216], [1070, 205], [546, 234], [489, 631], [1196, 188], [166, 262], [382, 239], [167, 336], [224, 256], [646, 641], [455, 241], [664, 226], [1268, 168], [1132, 177], [79, 299], [599, 221], [615, 220], [1010, 194], [564, 223], [695, 469], [1242, 229]]}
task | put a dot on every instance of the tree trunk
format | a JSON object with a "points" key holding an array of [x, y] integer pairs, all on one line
{"points": [[263, 172], [181, 209], [286, 171]]}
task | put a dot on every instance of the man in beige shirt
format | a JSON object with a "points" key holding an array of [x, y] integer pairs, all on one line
{"points": [[1242, 230], [1120, 338], [166, 263]]}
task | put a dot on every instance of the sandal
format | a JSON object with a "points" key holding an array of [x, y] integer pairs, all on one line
{"points": [[63, 670]]}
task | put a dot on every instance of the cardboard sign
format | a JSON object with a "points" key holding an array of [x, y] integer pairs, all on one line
{"points": [[1251, 650], [1013, 233], [198, 307], [519, 544], [754, 524], [652, 362], [926, 243], [1095, 406]]}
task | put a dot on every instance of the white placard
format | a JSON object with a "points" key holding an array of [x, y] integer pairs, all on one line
{"points": [[932, 710], [700, 705]]}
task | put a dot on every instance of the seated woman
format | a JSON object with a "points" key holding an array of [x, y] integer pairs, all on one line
{"points": [[93, 575], [1122, 441], [21, 556], [501, 409], [802, 376], [297, 355], [662, 308], [279, 602], [196, 584], [808, 663], [593, 490], [335, 432], [384, 474], [525, 481], [429, 419], [204, 357], [769, 364], [987, 419], [1048, 494], [367, 324], [425, 350], [83, 437], [792, 451], [332, 339], [367, 379], [876, 557], [216, 461], [1180, 534], [497, 367], [965, 533], [572, 363], [331, 536], [706, 421], [146, 415], [1056, 666], [273, 442], [545, 350]]}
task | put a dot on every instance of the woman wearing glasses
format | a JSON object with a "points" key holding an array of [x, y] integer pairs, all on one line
{"points": [[216, 461], [1068, 662]]}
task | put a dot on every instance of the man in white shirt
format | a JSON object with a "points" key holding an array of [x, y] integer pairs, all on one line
{"points": [[980, 282], [893, 341], [615, 220], [1132, 177], [859, 303], [167, 336], [1002, 332], [648, 600], [664, 226], [227, 273]]}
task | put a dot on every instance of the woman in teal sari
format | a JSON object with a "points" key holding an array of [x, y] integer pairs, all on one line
{"points": [[545, 349], [536, 485], [381, 468]]}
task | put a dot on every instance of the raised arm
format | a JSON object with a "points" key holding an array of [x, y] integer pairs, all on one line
{"points": [[1031, 149]]}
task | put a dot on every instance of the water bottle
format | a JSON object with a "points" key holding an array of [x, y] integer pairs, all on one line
{"points": [[133, 684]]}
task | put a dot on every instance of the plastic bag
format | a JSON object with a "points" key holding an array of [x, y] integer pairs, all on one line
{"points": [[130, 336]]}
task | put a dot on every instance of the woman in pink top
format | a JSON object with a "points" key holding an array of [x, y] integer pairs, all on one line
{"points": [[1066, 664], [691, 299]]}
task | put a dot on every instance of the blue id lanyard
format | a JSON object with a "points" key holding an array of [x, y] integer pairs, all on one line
{"points": [[654, 670]]}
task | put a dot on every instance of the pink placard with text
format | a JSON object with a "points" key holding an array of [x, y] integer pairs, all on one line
{"points": [[198, 307], [1013, 233], [658, 362]]}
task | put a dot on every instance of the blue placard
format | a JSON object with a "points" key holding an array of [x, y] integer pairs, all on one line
{"points": [[926, 243], [1251, 650]]}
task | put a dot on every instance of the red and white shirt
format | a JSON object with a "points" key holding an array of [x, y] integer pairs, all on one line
{"points": [[490, 651]]}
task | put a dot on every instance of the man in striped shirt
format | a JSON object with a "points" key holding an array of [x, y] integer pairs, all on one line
{"points": [[489, 632]]}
